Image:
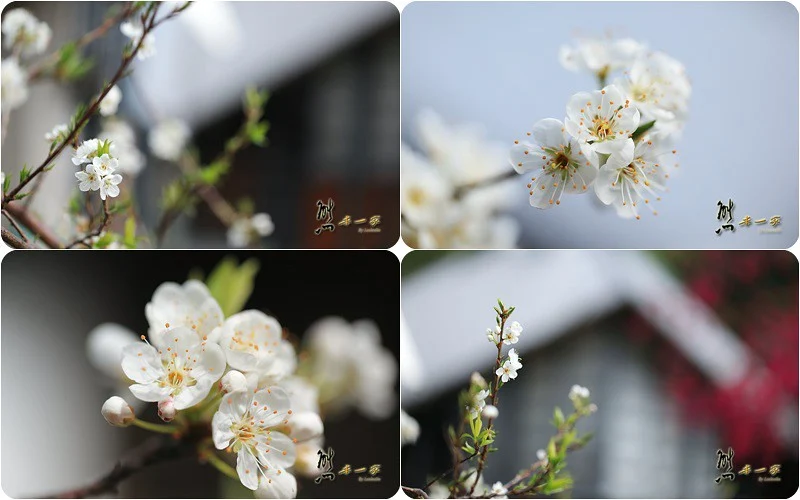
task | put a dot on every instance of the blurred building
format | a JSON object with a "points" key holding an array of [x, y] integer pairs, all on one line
{"points": [[673, 382]]}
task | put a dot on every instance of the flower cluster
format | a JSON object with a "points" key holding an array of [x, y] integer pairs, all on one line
{"points": [[23, 36], [241, 378], [442, 206], [99, 173], [617, 140]]}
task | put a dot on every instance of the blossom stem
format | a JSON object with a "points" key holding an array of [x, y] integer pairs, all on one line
{"points": [[218, 463], [489, 181], [97, 232], [162, 428], [495, 390]]}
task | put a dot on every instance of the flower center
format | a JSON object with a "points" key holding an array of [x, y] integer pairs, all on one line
{"points": [[602, 128], [560, 161], [417, 196]]}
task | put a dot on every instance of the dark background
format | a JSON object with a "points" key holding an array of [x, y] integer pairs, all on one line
{"points": [[79, 290]]}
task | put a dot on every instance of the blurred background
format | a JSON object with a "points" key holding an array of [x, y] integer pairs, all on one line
{"points": [[54, 437], [332, 69], [684, 352], [496, 64]]}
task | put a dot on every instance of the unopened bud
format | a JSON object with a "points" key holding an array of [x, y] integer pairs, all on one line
{"points": [[490, 412], [118, 412], [233, 381], [166, 410]]}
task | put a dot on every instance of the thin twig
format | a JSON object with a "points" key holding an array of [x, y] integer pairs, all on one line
{"points": [[489, 181], [41, 231], [45, 64], [154, 451], [416, 492], [14, 224], [12, 240], [149, 23], [443, 474], [97, 231]]}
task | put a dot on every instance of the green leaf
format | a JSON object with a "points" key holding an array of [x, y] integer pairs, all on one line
{"points": [[6, 183], [557, 485], [232, 283], [468, 448], [130, 233], [24, 173], [105, 240], [643, 128], [257, 132]]}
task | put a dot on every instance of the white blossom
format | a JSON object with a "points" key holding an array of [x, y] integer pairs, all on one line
{"points": [[579, 395], [89, 179], [351, 368], [635, 175], [109, 186], [490, 412], [658, 86], [249, 423], [426, 193], [110, 103], [478, 402], [278, 486], [59, 132], [499, 491], [508, 370], [409, 429], [85, 152], [24, 33], [13, 85], [246, 230], [134, 30], [168, 139], [513, 358], [602, 121], [185, 368], [189, 305], [512, 332], [541, 455], [600, 56], [253, 342], [118, 412], [104, 165], [556, 161]]}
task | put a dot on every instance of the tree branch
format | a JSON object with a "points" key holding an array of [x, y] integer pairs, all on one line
{"points": [[97, 232], [154, 451], [465, 188], [37, 70], [25, 218], [13, 241]]}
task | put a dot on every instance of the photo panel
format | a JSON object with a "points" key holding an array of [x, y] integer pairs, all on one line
{"points": [[194, 374], [201, 125], [600, 125], [599, 374]]}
